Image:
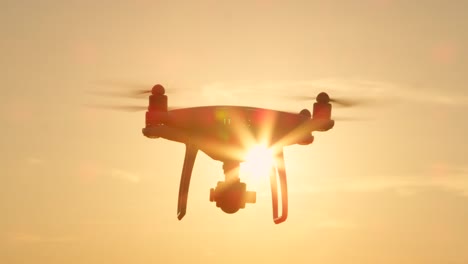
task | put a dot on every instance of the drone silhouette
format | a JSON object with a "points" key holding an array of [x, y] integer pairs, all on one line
{"points": [[226, 134]]}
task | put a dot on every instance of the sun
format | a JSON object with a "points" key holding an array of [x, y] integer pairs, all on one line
{"points": [[258, 163]]}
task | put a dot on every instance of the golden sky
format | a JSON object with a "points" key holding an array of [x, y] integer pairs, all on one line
{"points": [[80, 185]]}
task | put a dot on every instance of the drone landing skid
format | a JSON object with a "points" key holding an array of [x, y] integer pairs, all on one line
{"points": [[232, 195], [280, 171], [189, 160]]}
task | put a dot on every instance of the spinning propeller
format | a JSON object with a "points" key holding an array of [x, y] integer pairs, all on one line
{"points": [[140, 91], [135, 91], [340, 102]]}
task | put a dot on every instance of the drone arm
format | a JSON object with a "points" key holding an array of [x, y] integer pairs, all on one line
{"points": [[189, 160], [281, 171]]}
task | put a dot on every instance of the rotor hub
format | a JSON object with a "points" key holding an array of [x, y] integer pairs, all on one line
{"points": [[323, 98], [305, 112], [158, 89]]}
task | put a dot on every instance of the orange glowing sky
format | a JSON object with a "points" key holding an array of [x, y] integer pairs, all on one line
{"points": [[81, 185]]}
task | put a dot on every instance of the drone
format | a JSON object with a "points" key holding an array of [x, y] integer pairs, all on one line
{"points": [[221, 132]]}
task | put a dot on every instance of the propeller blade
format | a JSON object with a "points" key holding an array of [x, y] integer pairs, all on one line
{"points": [[141, 92], [124, 84], [133, 89], [137, 94], [352, 119], [300, 97], [125, 108], [349, 102], [339, 102]]}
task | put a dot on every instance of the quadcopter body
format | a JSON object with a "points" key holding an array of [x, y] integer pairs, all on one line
{"points": [[226, 133]]}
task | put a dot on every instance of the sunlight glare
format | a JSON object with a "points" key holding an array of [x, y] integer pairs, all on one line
{"points": [[259, 161]]}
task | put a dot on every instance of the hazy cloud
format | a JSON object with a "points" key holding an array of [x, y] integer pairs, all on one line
{"points": [[333, 223], [451, 178], [90, 171], [125, 175], [30, 238], [34, 160]]}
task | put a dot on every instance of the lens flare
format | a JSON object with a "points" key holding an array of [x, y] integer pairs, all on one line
{"points": [[259, 161]]}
